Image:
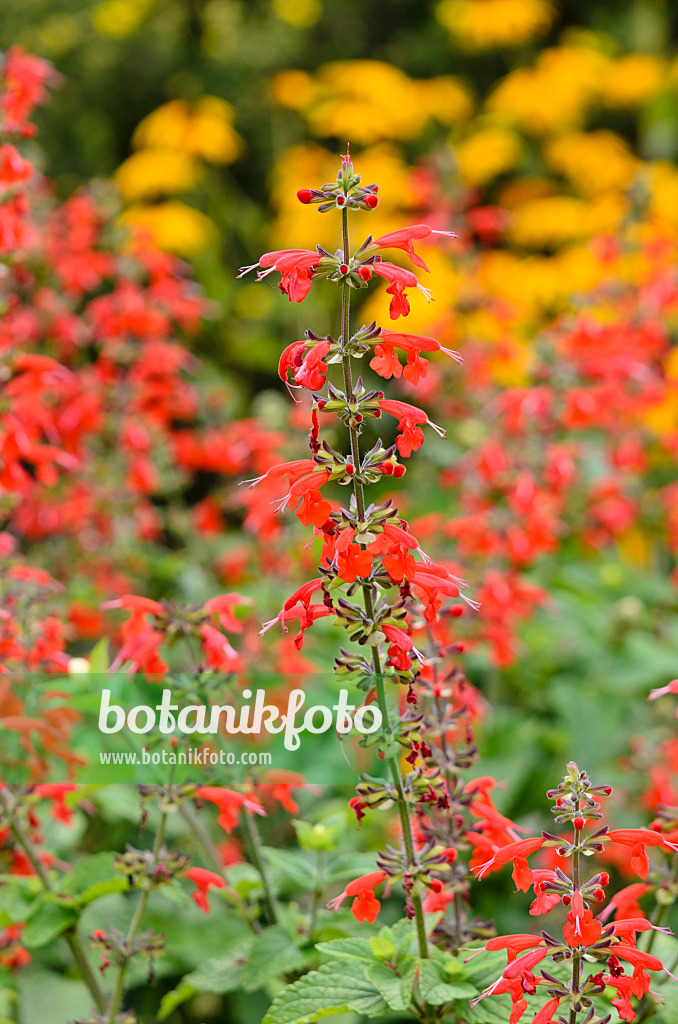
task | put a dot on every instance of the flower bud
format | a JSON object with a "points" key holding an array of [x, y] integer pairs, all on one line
{"points": [[365, 273], [343, 269], [398, 471], [341, 201], [372, 201], [578, 823], [386, 468], [304, 195]]}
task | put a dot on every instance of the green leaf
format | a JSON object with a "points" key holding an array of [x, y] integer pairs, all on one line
{"points": [[46, 921], [92, 878], [171, 1000], [219, 974], [383, 946], [334, 988], [389, 984], [293, 867], [493, 1010], [435, 988], [349, 949], [98, 657], [272, 953]]}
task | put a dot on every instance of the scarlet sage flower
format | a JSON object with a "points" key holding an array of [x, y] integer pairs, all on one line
{"points": [[518, 853], [204, 880], [229, 803], [365, 906], [399, 279], [387, 364], [56, 792], [295, 266], [637, 839], [409, 419], [404, 239]]}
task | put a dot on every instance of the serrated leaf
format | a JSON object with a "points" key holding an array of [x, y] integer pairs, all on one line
{"points": [[334, 988], [171, 1000], [272, 953], [349, 949], [435, 988], [493, 1010], [388, 983], [46, 922]]}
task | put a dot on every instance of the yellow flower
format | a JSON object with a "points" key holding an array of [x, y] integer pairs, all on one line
{"points": [[489, 152], [554, 95], [119, 18], [294, 89], [172, 225], [203, 128], [300, 13], [593, 161], [152, 172], [484, 24], [368, 101], [555, 220], [633, 79]]}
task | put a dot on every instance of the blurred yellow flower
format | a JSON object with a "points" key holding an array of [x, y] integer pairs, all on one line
{"points": [[484, 24], [487, 153], [294, 89], [119, 18], [664, 195], [172, 225], [368, 101], [153, 172], [633, 79], [300, 13], [555, 94], [593, 161], [554, 220], [203, 128]]}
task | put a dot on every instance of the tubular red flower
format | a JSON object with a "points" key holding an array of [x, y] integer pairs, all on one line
{"points": [[295, 266], [404, 239], [399, 280], [204, 880]]}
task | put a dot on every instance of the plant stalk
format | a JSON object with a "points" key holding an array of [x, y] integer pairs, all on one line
{"points": [[382, 702]]}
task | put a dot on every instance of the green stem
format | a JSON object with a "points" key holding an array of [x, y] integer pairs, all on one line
{"points": [[576, 957], [118, 986], [359, 493], [70, 935], [253, 846]]}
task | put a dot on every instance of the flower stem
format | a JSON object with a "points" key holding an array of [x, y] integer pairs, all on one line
{"points": [[70, 935], [123, 961], [358, 490], [576, 956], [253, 847]]}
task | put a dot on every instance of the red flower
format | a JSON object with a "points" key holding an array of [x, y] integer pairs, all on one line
{"points": [[409, 419], [229, 803], [204, 880], [517, 852], [386, 363], [56, 792], [365, 905], [353, 562], [404, 239], [296, 268], [399, 280]]}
